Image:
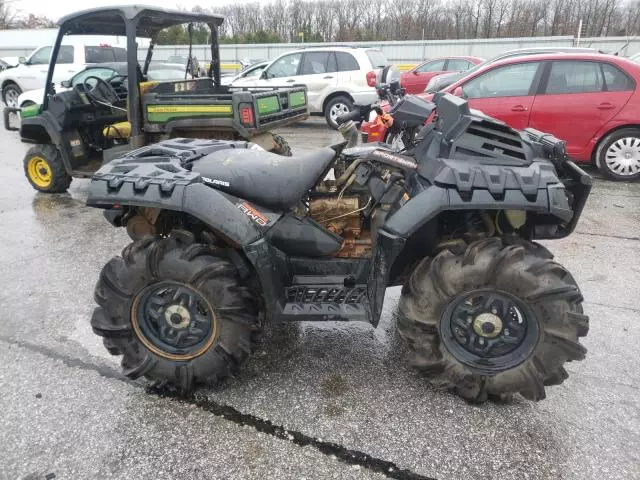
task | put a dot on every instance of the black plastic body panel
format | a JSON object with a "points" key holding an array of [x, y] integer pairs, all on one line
{"points": [[303, 237], [411, 112], [154, 176]]}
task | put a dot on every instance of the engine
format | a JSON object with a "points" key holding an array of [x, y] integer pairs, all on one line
{"points": [[343, 216]]}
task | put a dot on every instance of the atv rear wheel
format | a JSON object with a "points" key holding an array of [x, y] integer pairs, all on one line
{"points": [[177, 311], [493, 320], [45, 170]]}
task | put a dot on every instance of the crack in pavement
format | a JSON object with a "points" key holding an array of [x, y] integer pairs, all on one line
{"points": [[621, 237], [609, 194], [621, 307], [344, 454]]}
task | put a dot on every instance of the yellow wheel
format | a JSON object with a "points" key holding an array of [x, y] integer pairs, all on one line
{"points": [[39, 172], [45, 170]]}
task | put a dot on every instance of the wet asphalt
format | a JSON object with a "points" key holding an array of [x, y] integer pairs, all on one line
{"points": [[317, 400]]}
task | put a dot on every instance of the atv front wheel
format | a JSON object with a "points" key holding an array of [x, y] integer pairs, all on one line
{"points": [[45, 170], [177, 311], [493, 320]]}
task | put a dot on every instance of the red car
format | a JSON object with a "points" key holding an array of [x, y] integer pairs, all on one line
{"points": [[590, 100], [415, 81]]}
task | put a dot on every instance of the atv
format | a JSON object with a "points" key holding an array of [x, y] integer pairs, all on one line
{"points": [[227, 237], [94, 120]]}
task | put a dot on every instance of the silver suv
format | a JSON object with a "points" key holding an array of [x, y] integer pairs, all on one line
{"points": [[336, 77]]}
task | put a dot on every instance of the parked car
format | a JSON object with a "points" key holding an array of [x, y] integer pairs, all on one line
{"points": [[31, 74], [336, 77], [182, 60], [440, 82], [592, 101], [245, 76], [416, 79], [9, 62], [106, 71]]}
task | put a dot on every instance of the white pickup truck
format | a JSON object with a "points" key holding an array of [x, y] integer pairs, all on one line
{"points": [[31, 74]]}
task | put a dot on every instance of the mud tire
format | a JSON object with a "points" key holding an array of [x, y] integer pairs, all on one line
{"points": [[237, 309], [524, 270]]}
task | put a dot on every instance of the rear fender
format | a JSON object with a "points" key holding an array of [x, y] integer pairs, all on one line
{"points": [[220, 212]]}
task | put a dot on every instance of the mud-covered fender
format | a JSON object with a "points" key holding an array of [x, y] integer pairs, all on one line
{"points": [[167, 191]]}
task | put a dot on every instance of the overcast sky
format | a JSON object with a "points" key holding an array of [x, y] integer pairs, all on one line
{"points": [[54, 9]]}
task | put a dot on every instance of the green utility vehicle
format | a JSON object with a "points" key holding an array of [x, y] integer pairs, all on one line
{"points": [[76, 130]]}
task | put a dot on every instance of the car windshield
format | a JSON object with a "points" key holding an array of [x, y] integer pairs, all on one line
{"points": [[101, 72], [253, 71]]}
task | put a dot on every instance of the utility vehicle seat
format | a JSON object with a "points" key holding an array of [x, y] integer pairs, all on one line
{"points": [[265, 178], [122, 130]]}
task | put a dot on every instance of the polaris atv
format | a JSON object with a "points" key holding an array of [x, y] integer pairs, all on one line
{"points": [[226, 236]]}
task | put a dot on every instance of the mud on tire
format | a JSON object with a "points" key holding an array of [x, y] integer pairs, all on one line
{"points": [[177, 260], [524, 272]]}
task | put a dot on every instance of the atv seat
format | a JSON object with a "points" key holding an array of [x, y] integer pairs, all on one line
{"points": [[270, 180]]}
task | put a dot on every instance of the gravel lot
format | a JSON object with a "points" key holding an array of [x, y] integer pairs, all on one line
{"points": [[317, 400]]}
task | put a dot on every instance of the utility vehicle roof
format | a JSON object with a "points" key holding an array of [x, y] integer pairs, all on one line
{"points": [[109, 20]]}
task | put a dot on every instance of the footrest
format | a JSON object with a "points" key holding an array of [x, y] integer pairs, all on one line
{"points": [[325, 312]]}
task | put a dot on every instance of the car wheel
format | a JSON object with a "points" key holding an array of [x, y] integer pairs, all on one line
{"points": [[27, 103], [618, 156], [10, 94], [335, 107]]}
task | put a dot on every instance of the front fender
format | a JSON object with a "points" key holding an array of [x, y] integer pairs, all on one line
{"points": [[434, 200], [31, 128]]}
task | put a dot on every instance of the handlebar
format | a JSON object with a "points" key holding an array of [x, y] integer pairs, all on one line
{"points": [[353, 115]]}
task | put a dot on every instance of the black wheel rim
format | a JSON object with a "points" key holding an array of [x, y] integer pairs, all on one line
{"points": [[173, 320], [489, 330]]}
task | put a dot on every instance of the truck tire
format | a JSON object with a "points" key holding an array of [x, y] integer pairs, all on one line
{"points": [[45, 170], [337, 106], [493, 320], [177, 311], [618, 155], [10, 94]]}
